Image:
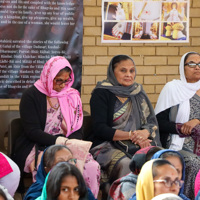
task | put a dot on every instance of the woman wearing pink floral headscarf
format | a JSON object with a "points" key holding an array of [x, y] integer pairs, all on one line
{"points": [[51, 113]]}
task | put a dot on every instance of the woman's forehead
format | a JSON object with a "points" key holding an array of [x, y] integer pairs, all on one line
{"points": [[193, 57]]}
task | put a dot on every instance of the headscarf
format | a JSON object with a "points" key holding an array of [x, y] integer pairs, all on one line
{"points": [[141, 106], [112, 84], [35, 189], [178, 92], [69, 98], [44, 191], [145, 186], [158, 155]]}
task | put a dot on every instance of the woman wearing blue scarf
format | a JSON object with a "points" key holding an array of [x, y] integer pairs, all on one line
{"points": [[167, 154], [51, 156]]}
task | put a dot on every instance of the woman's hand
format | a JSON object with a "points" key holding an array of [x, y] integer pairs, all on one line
{"points": [[61, 140], [139, 136], [188, 126], [145, 143]]}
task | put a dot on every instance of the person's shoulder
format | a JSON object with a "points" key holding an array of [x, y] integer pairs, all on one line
{"points": [[32, 91], [101, 91], [101, 94]]}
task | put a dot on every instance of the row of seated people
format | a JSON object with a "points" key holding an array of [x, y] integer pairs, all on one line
{"points": [[123, 117], [161, 171]]}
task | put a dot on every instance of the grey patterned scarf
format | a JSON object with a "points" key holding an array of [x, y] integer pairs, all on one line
{"points": [[142, 109]]}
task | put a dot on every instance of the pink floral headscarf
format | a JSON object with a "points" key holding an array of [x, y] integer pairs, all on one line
{"points": [[69, 98]]}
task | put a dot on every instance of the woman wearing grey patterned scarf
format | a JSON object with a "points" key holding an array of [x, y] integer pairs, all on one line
{"points": [[121, 111]]}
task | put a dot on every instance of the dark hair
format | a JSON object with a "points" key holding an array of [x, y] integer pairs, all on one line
{"points": [[138, 159], [2, 194], [175, 4], [191, 53], [118, 59], [66, 69], [56, 176], [49, 154], [152, 151], [158, 163]]}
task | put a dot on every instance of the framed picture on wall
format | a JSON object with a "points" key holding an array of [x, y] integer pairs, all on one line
{"points": [[130, 21]]}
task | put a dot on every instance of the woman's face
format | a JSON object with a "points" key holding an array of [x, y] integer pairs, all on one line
{"points": [[177, 164], [192, 75], [60, 156], [165, 172], [69, 189], [124, 72], [61, 80]]}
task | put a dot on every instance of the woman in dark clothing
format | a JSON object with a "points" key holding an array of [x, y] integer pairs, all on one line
{"points": [[51, 113], [121, 111]]}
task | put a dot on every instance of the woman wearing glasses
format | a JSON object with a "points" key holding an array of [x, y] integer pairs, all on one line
{"points": [[51, 113], [157, 176], [176, 159], [179, 102]]}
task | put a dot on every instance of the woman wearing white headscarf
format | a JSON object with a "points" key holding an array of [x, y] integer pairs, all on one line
{"points": [[179, 102]]}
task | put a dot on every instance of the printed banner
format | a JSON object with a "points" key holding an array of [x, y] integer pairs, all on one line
{"points": [[31, 32], [145, 21]]}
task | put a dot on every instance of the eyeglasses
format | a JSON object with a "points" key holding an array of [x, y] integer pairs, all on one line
{"points": [[72, 161], [168, 182], [60, 81], [193, 65]]}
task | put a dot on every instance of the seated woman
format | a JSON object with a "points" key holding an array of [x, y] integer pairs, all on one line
{"points": [[9, 174], [123, 188], [121, 111], [176, 159], [157, 176], [179, 102], [51, 113], [64, 182], [51, 156]]}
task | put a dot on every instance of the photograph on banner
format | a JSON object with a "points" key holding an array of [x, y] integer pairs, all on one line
{"points": [[174, 12], [117, 30], [173, 31], [145, 31], [118, 10], [147, 21], [146, 11], [31, 33]]}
